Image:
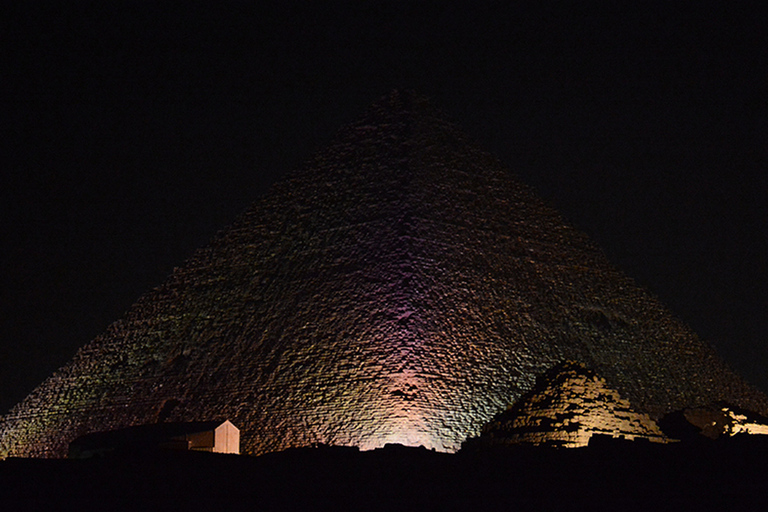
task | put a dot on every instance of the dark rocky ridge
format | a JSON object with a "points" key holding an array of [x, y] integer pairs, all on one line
{"points": [[711, 475], [401, 288]]}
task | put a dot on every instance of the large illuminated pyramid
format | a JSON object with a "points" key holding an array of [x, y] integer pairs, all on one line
{"points": [[402, 287]]}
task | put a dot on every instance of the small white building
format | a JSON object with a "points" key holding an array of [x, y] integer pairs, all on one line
{"points": [[224, 438], [205, 436]]}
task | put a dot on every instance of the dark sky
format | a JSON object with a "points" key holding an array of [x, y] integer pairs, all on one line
{"points": [[132, 134]]}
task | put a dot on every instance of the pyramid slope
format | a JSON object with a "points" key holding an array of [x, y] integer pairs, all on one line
{"points": [[401, 288]]}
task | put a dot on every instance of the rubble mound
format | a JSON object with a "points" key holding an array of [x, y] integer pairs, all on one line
{"points": [[713, 421]]}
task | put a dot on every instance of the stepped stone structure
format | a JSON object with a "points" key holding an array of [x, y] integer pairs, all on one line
{"points": [[567, 406], [402, 287]]}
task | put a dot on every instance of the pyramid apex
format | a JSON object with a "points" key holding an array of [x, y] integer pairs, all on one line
{"points": [[406, 100]]}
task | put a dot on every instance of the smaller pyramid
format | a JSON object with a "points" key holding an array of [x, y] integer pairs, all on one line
{"points": [[567, 406]]}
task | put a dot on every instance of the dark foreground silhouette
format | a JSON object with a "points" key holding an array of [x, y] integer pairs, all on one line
{"points": [[607, 475]]}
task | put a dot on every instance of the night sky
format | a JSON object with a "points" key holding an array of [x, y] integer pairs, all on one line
{"points": [[132, 134]]}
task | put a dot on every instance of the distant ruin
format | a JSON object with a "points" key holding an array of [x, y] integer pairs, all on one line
{"points": [[402, 287], [713, 421]]}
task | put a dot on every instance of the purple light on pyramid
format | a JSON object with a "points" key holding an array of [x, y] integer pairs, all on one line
{"points": [[402, 287]]}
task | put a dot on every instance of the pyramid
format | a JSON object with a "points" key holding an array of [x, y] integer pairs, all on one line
{"points": [[402, 287], [567, 406]]}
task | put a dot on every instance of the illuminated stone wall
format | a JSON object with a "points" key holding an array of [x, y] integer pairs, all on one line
{"points": [[568, 405], [401, 288], [716, 420]]}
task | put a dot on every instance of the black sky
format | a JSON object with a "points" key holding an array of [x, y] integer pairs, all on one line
{"points": [[132, 134]]}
